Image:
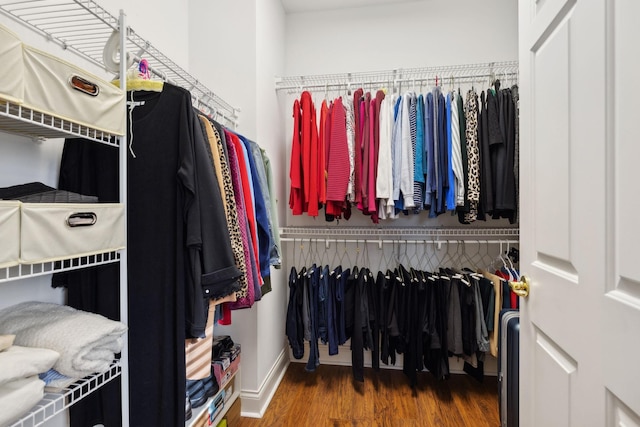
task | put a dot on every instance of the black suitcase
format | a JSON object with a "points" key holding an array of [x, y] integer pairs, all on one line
{"points": [[508, 367]]}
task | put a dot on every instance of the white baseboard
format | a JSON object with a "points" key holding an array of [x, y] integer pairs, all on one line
{"points": [[255, 403], [343, 358]]}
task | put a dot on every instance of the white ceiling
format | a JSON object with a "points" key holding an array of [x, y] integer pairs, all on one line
{"points": [[291, 6]]}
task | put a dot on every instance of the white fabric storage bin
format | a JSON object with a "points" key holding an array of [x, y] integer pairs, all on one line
{"points": [[57, 231], [12, 75], [9, 233], [61, 89]]}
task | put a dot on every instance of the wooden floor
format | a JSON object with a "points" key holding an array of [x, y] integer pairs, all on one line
{"points": [[330, 397]]}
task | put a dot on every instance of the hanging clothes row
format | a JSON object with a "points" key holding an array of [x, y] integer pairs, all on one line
{"points": [[200, 228], [389, 153], [426, 316]]}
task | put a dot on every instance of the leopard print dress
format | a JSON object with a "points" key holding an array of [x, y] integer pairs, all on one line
{"points": [[473, 153]]}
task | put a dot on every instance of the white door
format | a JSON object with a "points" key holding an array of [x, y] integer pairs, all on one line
{"points": [[580, 237]]}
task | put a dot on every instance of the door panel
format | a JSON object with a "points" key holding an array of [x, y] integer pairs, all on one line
{"points": [[579, 162], [621, 317], [544, 17], [626, 87], [554, 371], [550, 102], [619, 414]]}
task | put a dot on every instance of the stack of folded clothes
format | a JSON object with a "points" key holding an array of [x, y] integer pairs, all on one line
{"points": [[87, 342], [20, 387], [37, 192]]}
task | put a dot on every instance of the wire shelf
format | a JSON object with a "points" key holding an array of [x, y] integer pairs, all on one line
{"points": [[18, 119], [453, 74], [416, 233], [23, 271], [84, 28], [54, 403]]}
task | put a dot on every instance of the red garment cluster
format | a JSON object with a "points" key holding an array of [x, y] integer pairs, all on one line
{"points": [[323, 172]]}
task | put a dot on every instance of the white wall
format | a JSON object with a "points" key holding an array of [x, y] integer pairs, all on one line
{"points": [[403, 35], [164, 23], [237, 48], [222, 53], [270, 43]]}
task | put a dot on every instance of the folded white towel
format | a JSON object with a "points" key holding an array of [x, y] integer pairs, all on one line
{"points": [[18, 397], [20, 362], [87, 342], [6, 341]]}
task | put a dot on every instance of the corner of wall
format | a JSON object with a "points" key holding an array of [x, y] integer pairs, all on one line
{"points": [[255, 403]]}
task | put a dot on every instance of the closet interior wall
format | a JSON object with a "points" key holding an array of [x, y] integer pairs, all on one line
{"points": [[393, 37], [242, 44]]}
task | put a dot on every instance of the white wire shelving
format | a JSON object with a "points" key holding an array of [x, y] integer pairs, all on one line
{"points": [[54, 403], [410, 78], [24, 271], [415, 233], [18, 119], [84, 28]]}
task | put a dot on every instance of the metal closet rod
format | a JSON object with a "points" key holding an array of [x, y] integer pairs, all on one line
{"points": [[213, 110], [381, 83], [399, 232], [380, 242], [444, 73]]}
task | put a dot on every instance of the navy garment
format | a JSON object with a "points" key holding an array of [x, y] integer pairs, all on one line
{"points": [[323, 305], [373, 295], [357, 339], [443, 156], [341, 284], [262, 219], [313, 284], [294, 326], [332, 312], [367, 335]]}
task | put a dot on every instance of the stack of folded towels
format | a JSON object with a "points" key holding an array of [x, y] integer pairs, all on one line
{"points": [[54, 342]]}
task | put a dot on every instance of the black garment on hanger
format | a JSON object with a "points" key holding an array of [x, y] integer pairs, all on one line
{"points": [[90, 168], [384, 289], [354, 290], [486, 178], [165, 299]]}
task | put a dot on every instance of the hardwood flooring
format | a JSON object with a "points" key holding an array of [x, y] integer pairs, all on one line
{"points": [[330, 397]]}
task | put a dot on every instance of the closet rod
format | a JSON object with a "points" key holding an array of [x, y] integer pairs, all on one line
{"points": [[205, 108], [447, 81], [381, 242], [443, 73], [400, 232]]}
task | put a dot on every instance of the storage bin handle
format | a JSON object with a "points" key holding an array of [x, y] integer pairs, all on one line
{"points": [[84, 85], [82, 219]]}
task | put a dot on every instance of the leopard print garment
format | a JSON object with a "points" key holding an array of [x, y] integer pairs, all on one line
{"points": [[231, 210], [471, 116]]}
